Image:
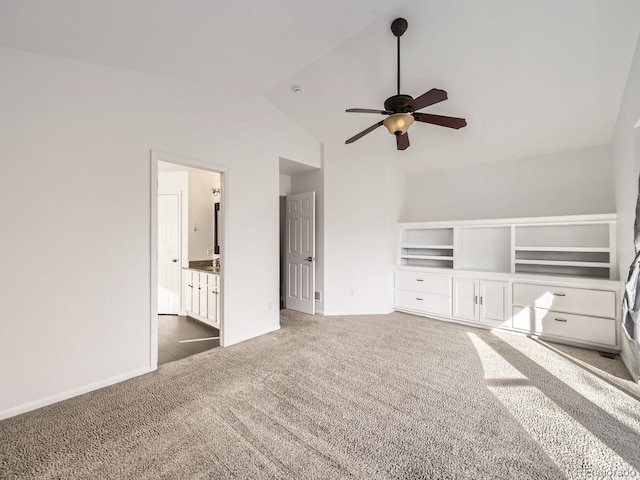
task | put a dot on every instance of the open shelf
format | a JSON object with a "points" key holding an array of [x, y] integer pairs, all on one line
{"points": [[415, 245], [577, 246], [428, 257], [427, 247], [562, 249], [563, 270], [582, 250], [563, 263]]}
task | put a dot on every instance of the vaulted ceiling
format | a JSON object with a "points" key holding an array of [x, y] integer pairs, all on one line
{"points": [[530, 77]]}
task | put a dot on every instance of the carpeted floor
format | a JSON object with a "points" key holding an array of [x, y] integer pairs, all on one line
{"points": [[365, 397]]}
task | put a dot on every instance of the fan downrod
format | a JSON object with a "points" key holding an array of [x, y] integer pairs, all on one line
{"points": [[399, 26]]}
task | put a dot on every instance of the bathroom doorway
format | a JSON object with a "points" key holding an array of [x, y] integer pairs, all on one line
{"points": [[188, 218]]}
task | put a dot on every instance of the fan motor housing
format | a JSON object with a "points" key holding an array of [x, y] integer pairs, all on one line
{"points": [[399, 104]]}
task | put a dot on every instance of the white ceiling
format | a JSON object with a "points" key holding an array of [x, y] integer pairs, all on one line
{"points": [[250, 43], [530, 77]]}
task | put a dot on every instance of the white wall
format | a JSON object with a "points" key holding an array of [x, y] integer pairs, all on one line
{"points": [[285, 184], [362, 196], [568, 183], [201, 202], [626, 163], [313, 181], [75, 181]]}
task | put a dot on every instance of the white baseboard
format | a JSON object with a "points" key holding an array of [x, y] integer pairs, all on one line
{"points": [[43, 402]]}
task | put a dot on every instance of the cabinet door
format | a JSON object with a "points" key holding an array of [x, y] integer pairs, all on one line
{"points": [[493, 297], [187, 291], [203, 295], [212, 304], [195, 294], [465, 298]]}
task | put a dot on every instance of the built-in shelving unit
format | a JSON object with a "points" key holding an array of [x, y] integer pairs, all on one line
{"points": [[573, 249], [576, 246], [427, 247], [552, 277]]}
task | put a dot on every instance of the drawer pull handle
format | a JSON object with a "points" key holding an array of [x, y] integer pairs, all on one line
{"points": [[418, 298], [476, 300], [556, 294], [419, 280], [563, 320]]}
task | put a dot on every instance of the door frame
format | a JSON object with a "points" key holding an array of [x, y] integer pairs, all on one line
{"points": [[155, 156]]}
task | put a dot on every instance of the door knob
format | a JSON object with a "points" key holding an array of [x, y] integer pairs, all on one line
{"points": [[309, 259], [174, 260]]}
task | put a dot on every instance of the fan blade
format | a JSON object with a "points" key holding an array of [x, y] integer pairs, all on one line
{"points": [[368, 110], [402, 141], [364, 132], [450, 122], [432, 97]]}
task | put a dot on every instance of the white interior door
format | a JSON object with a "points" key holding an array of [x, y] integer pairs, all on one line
{"points": [[300, 252], [168, 254]]}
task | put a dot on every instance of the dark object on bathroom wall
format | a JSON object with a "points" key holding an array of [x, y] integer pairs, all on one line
{"points": [[216, 227]]}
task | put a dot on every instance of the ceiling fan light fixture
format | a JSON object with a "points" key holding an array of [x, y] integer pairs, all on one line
{"points": [[398, 123]]}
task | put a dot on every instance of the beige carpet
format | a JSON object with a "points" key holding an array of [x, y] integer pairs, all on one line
{"points": [[366, 397]]}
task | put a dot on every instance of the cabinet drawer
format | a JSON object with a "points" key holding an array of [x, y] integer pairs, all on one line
{"points": [[423, 302], [577, 327], [600, 303], [420, 282]]}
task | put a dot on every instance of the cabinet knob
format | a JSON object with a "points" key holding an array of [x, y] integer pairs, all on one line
{"points": [[563, 320], [419, 280], [557, 294], [418, 298]]}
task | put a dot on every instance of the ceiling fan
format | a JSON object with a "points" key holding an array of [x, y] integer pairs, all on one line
{"points": [[402, 109]]}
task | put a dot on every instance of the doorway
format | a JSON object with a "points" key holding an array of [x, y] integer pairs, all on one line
{"points": [[188, 216]]}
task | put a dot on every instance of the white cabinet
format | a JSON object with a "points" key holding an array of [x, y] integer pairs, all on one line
{"points": [[465, 298], [584, 315], [201, 296], [213, 300], [187, 291], [480, 300], [493, 301], [202, 293], [586, 301], [423, 293], [549, 276]]}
